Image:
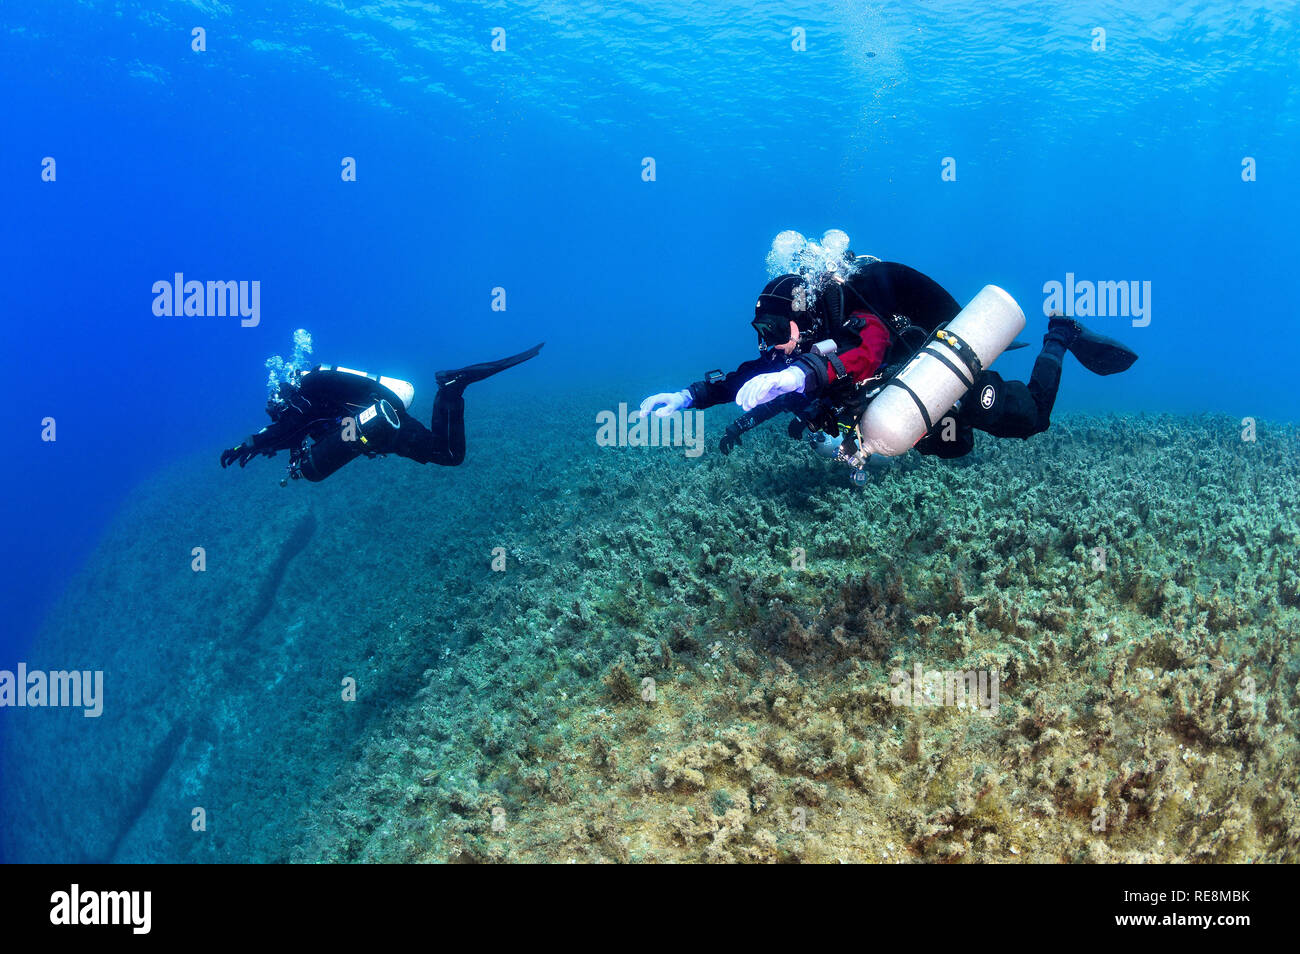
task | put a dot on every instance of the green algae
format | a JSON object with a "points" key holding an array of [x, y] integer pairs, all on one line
{"points": [[1134, 582], [1125, 732]]}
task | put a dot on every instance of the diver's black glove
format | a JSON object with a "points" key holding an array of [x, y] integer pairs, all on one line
{"points": [[730, 439], [240, 452]]}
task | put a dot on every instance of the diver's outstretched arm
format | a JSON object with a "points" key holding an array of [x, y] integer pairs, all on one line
{"points": [[266, 441], [710, 392]]}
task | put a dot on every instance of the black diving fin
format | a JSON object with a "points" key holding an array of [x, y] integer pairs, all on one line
{"points": [[461, 377], [1099, 354]]}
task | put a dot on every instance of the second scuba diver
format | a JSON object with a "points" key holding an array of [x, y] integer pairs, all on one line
{"points": [[327, 416]]}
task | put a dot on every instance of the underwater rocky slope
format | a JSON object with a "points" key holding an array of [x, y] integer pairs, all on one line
{"points": [[1134, 582]]}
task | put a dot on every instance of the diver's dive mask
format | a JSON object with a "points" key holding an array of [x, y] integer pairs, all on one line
{"points": [[772, 330]]}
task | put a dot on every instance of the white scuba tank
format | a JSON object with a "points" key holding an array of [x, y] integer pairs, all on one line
{"points": [[916, 398]]}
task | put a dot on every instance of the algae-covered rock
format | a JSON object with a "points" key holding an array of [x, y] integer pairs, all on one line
{"points": [[1081, 647]]}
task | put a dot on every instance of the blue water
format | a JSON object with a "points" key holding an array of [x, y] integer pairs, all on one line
{"points": [[522, 169]]}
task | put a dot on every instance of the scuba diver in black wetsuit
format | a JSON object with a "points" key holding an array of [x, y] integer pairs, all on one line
{"points": [[829, 344], [345, 413]]}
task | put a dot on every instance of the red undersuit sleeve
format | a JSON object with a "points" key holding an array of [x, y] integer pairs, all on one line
{"points": [[862, 361]]}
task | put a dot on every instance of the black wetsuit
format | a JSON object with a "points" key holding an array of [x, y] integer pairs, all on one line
{"points": [[315, 419], [325, 397]]}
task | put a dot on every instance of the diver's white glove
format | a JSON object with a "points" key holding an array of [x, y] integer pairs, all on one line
{"points": [[665, 404], [765, 387]]}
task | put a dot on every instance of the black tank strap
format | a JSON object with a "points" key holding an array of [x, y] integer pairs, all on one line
{"points": [[943, 358], [920, 405], [963, 351], [970, 360]]}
